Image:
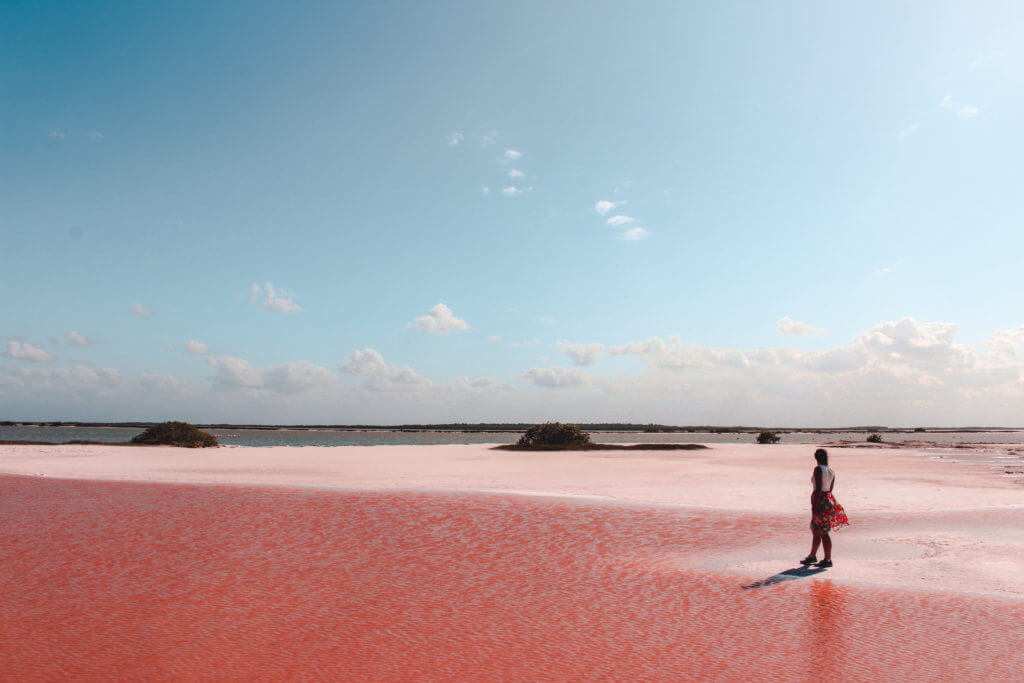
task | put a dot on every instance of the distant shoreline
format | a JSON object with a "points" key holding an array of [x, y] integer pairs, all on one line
{"points": [[497, 427]]}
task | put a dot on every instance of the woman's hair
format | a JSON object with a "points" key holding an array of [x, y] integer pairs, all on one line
{"points": [[821, 455]]}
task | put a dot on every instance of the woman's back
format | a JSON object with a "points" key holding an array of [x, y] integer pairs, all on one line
{"points": [[828, 477]]}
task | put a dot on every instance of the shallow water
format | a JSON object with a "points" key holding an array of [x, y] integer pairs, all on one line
{"points": [[330, 437], [162, 581]]}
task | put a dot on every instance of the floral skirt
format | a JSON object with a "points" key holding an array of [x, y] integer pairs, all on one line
{"points": [[828, 515]]}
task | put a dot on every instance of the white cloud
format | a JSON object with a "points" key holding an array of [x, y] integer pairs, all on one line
{"points": [[792, 327], [140, 311], [1008, 344], [888, 375], [98, 393], [76, 339], [454, 139], [297, 377], [440, 320], [275, 299], [196, 348], [557, 377], [85, 374], [919, 344], [512, 154], [365, 363], [511, 191], [494, 339], [516, 173], [236, 373], [604, 206], [907, 132], [675, 355], [284, 378], [93, 134], [58, 133], [154, 380], [478, 385], [25, 351], [485, 190], [581, 354], [489, 139], [78, 377], [617, 221], [380, 376], [280, 300], [967, 111], [634, 234], [886, 269]]}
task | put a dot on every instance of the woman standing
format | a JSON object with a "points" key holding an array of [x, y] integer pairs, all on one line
{"points": [[826, 514]]}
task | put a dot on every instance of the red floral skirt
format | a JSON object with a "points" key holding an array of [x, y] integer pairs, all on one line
{"points": [[828, 515]]}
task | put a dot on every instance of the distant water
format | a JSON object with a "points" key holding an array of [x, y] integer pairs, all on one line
{"points": [[327, 437]]}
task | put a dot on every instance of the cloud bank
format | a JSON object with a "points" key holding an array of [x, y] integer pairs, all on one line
{"points": [[901, 372]]}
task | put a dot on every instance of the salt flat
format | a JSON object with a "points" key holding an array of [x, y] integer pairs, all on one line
{"points": [[921, 518]]}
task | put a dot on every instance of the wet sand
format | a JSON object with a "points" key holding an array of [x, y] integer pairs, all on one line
{"points": [[457, 561]]}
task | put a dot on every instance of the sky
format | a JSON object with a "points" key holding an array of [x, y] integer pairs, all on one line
{"points": [[800, 214]]}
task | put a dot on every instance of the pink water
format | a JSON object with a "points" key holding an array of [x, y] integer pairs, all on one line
{"points": [[161, 581]]}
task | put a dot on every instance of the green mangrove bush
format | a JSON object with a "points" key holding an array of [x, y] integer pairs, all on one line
{"points": [[176, 434], [554, 434]]}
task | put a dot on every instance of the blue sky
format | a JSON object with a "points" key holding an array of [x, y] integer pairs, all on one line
{"points": [[795, 177]]}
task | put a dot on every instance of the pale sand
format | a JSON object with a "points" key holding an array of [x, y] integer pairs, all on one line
{"points": [[920, 518]]}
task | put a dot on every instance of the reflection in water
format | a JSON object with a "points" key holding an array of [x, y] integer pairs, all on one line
{"points": [[826, 628], [163, 581]]}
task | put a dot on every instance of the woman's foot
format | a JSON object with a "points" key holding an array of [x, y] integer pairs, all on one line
{"points": [[810, 559], [824, 564]]}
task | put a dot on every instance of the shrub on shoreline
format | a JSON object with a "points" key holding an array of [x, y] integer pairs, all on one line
{"points": [[554, 434], [875, 438], [176, 434], [768, 437]]}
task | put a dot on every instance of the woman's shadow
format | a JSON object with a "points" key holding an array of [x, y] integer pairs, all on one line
{"points": [[788, 575]]}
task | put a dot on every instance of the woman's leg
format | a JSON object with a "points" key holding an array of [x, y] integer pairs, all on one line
{"points": [[815, 543], [826, 542]]}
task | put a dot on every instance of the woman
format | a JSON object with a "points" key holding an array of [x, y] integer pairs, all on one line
{"points": [[826, 514]]}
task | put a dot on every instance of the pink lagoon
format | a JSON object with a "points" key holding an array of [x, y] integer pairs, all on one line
{"points": [[455, 562]]}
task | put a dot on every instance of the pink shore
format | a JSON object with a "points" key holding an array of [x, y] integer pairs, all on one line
{"points": [[921, 519]]}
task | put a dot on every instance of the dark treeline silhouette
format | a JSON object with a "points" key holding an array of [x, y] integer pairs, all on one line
{"points": [[522, 427]]}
